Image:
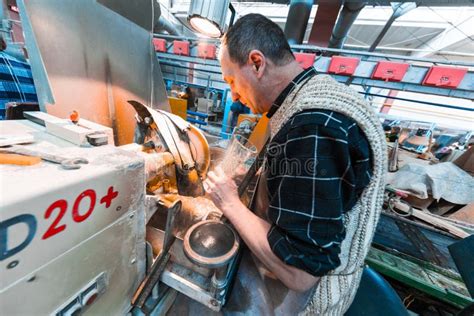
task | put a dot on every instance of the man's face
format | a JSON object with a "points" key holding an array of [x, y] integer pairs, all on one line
{"points": [[242, 81]]}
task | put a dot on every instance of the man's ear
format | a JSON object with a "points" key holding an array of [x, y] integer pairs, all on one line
{"points": [[258, 62]]}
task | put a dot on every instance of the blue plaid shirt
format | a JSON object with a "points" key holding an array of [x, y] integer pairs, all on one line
{"points": [[316, 167], [16, 82]]}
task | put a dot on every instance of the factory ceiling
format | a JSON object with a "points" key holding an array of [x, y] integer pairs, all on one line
{"points": [[434, 28], [443, 3]]}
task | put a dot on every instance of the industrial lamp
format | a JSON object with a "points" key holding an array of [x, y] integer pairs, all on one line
{"points": [[208, 17]]}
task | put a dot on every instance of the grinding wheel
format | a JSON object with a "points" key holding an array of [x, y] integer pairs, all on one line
{"points": [[210, 244]]}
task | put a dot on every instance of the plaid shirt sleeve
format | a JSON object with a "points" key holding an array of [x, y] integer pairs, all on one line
{"points": [[316, 167]]}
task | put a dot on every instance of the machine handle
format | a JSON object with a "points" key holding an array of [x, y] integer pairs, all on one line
{"points": [[147, 285]]}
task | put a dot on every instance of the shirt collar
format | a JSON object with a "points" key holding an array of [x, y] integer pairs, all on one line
{"points": [[305, 74]]}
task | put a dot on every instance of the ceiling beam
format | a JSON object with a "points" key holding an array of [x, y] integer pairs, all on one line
{"points": [[399, 9], [451, 36]]}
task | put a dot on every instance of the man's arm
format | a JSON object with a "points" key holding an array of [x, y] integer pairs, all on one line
{"points": [[254, 230]]}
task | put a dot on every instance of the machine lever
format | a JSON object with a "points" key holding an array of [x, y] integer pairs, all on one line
{"points": [[146, 287]]}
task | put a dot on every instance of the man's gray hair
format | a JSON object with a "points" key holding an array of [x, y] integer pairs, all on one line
{"points": [[254, 31]]}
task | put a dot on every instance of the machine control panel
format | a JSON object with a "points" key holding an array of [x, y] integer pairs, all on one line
{"points": [[84, 298]]}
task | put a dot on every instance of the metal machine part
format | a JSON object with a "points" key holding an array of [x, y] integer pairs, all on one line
{"points": [[168, 142], [90, 220], [163, 131], [208, 284], [80, 133], [210, 243], [97, 139], [203, 259], [79, 60], [158, 266]]}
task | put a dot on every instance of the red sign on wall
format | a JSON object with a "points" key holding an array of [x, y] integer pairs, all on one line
{"points": [[160, 45], [390, 71], [341, 65], [306, 60], [445, 77], [181, 48], [207, 51]]}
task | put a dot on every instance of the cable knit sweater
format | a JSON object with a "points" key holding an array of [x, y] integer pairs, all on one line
{"points": [[336, 290]]}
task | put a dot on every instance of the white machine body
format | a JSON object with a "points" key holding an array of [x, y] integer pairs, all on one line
{"points": [[70, 240]]}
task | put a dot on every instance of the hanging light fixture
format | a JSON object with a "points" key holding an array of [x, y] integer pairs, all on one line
{"points": [[208, 17]]}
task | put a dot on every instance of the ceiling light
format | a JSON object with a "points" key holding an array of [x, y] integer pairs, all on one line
{"points": [[208, 17]]}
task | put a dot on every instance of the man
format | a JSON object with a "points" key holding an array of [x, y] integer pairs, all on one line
{"points": [[236, 109], [320, 193]]}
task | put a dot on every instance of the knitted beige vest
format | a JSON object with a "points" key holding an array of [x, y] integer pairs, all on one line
{"points": [[336, 291]]}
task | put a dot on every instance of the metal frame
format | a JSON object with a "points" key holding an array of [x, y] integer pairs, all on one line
{"points": [[411, 82], [422, 276]]}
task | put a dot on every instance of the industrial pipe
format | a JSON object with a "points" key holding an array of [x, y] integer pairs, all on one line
{"points": [[297, 20], [165, 25], [346, 18]]}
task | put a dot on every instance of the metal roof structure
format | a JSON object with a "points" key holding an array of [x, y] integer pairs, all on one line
{"points": [[435, 29]]}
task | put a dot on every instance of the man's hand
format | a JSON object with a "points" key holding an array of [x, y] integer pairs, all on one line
{"points": [[253, 230], [222, 190]]}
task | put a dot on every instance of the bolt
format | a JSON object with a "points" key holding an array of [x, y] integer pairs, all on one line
{"points": [[118, 208], [13, 264], [31, 279], [131, 215], [214, 302]]}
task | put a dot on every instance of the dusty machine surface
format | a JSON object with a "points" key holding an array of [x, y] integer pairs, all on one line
{"points": [[71, 240]]}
